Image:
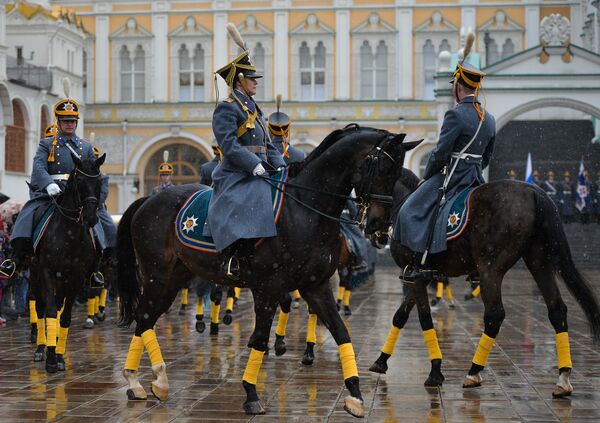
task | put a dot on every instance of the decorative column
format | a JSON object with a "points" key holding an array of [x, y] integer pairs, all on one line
{"points": [[220, 47], [281, 48], [532, 26], [101, 56], [160, 30], [404, 26], [342, 50]]}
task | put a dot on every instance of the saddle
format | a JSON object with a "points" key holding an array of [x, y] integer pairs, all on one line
{"points": [[41, 219]]}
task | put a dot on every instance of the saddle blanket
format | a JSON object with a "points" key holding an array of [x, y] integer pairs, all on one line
{"points": [[39, 228], [192, 215], [458, 216]]}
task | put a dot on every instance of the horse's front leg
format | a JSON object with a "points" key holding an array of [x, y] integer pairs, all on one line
{"points": [[285, 304], [265, 304], [63, 331], [50, 314], [320, 299]]}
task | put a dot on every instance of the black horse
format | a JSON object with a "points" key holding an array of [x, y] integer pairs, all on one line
{"points": [[509, 220], [65, 257], [303, 256]]}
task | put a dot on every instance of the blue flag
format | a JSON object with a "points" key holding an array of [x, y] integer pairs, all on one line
{"points": [[582, 192], [529, 170]]}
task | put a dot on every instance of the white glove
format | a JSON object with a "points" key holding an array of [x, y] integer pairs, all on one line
{"points": [[259, 170], [53, 189]]}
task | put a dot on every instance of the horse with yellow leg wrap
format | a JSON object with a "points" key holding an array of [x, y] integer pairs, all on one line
{"points": [[488, 247], [303, 256]]}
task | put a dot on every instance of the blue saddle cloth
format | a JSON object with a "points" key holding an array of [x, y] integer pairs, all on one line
{"points": [[40, 227], [458, 216], [190, 220]]}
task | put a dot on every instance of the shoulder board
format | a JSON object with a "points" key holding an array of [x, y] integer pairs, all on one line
{"points": [[229, 100]]}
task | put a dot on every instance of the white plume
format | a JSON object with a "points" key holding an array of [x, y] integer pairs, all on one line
{"points": [[67, 87], [166, 156], [236, 36]]}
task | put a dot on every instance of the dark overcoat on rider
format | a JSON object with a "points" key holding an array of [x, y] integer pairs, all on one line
{"points": [[241, 205], [207, 169], [295, 154], [44, 173], [416, 215]]}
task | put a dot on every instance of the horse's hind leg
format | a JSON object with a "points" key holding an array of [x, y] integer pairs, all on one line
{"points": [[40, 351], [493, 317], [435, 378], [215, 308], [557, 313], [285, 304], [63, 331], [228, 318], [311, 338], [51, 313], [320, 299]]}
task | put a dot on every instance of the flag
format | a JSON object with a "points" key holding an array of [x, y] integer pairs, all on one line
{"points": [[529, 170], [582, 192]]}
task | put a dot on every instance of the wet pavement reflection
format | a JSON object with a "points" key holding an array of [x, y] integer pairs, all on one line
{"points": [[205, 371]]}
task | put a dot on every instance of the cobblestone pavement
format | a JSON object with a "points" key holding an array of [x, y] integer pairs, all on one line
{"points": [[205, 371]]}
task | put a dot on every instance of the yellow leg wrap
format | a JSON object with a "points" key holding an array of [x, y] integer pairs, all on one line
{"points": [[476, 292], [41, 332], [440, 290], [90, 307], [214, 312], [483, 350], [253, 366], [229, 305], [311, 330], [200, 306], [96, 304], [52, 331], [433, 348], [237, 292], [341, 291], [61, 345], [449, 293], [390, 342], [348, 360], [151, 344], [563, 350], [296, 294], [103, 295], [136, 348], [32, 313], [184, 296], [347, 294], [282, 323]]}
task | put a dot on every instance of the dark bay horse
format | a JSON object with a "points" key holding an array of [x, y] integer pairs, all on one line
{"points": [[65, 258], [509, 220], [303, 256]]}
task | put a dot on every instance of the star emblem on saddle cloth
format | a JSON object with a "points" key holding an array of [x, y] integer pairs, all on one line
{"points": [[189, 224], [453, 219]]}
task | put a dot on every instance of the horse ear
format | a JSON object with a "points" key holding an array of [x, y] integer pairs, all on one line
{"points": [[100, 160], [399, 138], [411, 144], [76, 160]]}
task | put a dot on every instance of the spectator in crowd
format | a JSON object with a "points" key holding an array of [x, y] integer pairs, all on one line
{"points": [[567, 198], [550, 186], [586, 213], [512, 175]]}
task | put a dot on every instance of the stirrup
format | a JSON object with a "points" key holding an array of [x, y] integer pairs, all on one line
{"points": [[97, 280], [8, 268], [417, 275], [232, 275]]}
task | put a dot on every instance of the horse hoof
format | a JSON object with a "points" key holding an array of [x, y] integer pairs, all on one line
{"points": [[89, 324], [101, 316], [472, 381], [280, 349], [561, 392], [253, 407], [161, 394], [347, 311], [434, 380], [200, 327], [214, 328], [51, 367], [137, 394], [378, 367], [308, 359], [468, 297], [296, 304], [228, 318], [40, 353], [60, 363], [354, 406]]}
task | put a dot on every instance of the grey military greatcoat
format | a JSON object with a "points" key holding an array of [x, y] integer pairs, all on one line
{"points": [[296, 155], [415, 217], [241, 205], [207, 169], [44, 173]]}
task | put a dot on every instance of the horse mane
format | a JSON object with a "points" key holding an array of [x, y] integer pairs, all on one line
{"points": [[329, 140], [409, 179]]}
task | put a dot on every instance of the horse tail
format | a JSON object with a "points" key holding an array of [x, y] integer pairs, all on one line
{"points": [[557, 245], [127, 281]]}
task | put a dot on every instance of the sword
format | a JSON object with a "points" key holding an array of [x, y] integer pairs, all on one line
{"points": [[441, 199]]}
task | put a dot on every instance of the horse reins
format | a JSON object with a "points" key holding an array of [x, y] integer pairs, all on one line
{"points": [[64, 211]]}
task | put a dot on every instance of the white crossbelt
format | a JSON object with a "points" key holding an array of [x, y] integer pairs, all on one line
{"points": [[60, 176], [458, 155]]}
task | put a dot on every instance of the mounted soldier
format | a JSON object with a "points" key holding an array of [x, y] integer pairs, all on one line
{"points": [[550, 186], [567, 198], [206, 169], [240, 210], [279, 128], [52, 165], [165, 172], [464, 149]]}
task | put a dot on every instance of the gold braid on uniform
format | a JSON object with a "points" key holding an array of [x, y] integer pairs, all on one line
{"points": [[284, 134]]}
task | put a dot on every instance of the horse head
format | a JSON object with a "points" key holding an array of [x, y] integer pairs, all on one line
{"points": [[84, 186], [379, 173]]}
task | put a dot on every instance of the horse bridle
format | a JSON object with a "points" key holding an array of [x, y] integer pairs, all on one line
{"points": [[80, 204]]}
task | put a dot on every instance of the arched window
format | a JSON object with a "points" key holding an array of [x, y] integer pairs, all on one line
{"points": [[319, 69], [126, 75], [198, 73], [374, 73], [16, 137], [366, 71], [381, 71], [139, 70], [445, 46], [191, 74], [186, 161], [44, 121], [508, 48], [84, 74], [259, 63], [428, 70], [312, 72], [492, 54]]}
